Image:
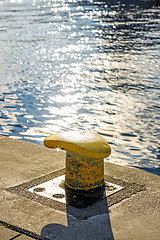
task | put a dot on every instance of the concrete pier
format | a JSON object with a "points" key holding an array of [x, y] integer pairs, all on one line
{"points": [[131, 213]]}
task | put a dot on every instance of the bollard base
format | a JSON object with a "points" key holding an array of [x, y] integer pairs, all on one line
{"points": [[55, 189], [82, 199]]}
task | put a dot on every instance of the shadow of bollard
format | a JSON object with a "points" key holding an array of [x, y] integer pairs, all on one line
{"points": [[89, 223]]}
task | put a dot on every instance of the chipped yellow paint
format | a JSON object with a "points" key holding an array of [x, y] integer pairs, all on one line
{"points": [[82, 173], [86, 144], [84, 161]]}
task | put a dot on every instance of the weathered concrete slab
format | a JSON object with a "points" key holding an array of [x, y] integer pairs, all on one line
{"points": [[133, 213], [6, 234]]}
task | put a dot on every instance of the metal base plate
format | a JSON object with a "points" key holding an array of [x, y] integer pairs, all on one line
{"points": [[54, 189]]}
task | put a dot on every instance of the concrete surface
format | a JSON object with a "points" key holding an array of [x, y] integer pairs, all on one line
{"points": [[132, 214], [7, 234]]}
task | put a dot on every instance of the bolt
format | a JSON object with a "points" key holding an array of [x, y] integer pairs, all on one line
{"points": [[58, 195], [39, 189]]}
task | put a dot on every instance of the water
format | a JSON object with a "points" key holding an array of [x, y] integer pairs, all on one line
{"points": [[77, 65]]}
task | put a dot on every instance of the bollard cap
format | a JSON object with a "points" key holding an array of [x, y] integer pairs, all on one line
{"points": [[85, 144]]}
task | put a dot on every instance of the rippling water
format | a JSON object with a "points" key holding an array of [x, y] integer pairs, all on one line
{"points": [[77, 65]]}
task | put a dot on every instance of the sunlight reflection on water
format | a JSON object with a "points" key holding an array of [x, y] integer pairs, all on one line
{"points": [[72, 65]]}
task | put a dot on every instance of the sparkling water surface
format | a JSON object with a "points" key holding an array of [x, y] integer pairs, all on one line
{"points": [[83, 65]]}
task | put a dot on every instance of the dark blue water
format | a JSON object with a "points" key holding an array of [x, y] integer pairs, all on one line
{"points": [[83, 65]]}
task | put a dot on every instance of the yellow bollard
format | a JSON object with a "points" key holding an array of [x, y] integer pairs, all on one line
{"points": [[84, 160]]}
